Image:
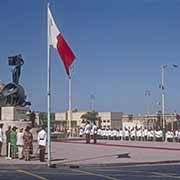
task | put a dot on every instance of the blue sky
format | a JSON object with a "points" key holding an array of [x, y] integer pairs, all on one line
{"points": [[119, 45]]}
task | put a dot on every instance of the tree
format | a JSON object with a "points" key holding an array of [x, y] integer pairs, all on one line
{"points": [[92, 117]]}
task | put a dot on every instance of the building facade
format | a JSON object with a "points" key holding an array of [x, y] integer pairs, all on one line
{"points": [[151, 121], [108, 120]]}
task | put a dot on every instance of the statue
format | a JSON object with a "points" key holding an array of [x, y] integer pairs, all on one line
{"points": [[16, 61], [13, 93]]}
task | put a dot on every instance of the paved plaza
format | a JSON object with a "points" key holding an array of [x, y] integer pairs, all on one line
{"points": [[110, 172], [77, 160], [76, 152]]}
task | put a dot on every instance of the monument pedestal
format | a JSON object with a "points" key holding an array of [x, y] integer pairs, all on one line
{"points": [[14, 116], [14, 113]]}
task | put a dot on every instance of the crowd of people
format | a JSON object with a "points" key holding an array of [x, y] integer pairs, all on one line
{"points": [[127, 133], [19, 142]]}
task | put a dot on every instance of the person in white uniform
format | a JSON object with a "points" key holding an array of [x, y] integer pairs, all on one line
{"points": [[179, 135], [94, 131], [120, 134], [42, 142], [170, 135], [133, 134], [126, 134], [81, 132], [159, 134], [145, 134], [150, 134], [139, 134], [176, 136], [87, 131], [20, 143]]}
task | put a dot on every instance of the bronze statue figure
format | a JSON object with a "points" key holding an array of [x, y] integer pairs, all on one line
{"points": [[17, 62], [13, 93]]}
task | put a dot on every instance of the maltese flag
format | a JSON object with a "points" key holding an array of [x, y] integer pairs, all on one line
{"points": [[56, 39]]}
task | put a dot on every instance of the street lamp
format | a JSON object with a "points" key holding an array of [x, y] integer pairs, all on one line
{"points": [[147, 93], [92, 98], [162, 96], [162, 86]]}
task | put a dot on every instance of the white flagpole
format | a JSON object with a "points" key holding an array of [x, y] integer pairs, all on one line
{"points": [[48, 89], [70, 102]]}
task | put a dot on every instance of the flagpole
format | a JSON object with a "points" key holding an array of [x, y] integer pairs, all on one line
{"points": [[48, 90], [70, 102], [163, 103]]}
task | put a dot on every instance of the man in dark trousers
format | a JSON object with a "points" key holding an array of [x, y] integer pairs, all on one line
{"points": [[42, 141], [1, 137], [8, 153], [87, 131], [94, 131]]}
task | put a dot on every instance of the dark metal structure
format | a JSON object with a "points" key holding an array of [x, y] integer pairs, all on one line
{"points": [[13, 94]]}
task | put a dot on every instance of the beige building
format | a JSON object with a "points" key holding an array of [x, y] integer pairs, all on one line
{"points": [[61, 119], [41, 118], [150, 121], [109, 120]]}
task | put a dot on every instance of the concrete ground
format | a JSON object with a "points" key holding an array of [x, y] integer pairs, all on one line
{"points": [[110, 172], [103, 153]]}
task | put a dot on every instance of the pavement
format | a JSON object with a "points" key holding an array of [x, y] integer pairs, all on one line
{"points": [[75, 153], [140, 172]]}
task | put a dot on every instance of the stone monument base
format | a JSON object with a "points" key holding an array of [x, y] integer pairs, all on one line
{"points": [[14, 113], [14, 116]]}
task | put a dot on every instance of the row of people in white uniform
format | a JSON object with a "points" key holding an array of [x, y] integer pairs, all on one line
{"points": [[131, 134], [136, 134]]}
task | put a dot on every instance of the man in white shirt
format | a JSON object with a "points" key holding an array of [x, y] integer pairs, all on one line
{"points": [[111, 134], [1, 137], [81, 132], [120, 134], [94, 131], [139, 134], [115, 134], [150, 134], [179, 135], [126, 134], [42, 141], [145, 134], [159, 134], [170, 135], [176, 135], [133, 134], [87, 131], [20, 143]]}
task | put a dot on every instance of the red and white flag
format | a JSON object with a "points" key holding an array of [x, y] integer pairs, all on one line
{"points": [[57, 40]]}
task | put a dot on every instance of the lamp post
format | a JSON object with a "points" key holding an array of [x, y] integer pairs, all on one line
{"points": [[147, 93], [163, 95], [92, 97]]}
